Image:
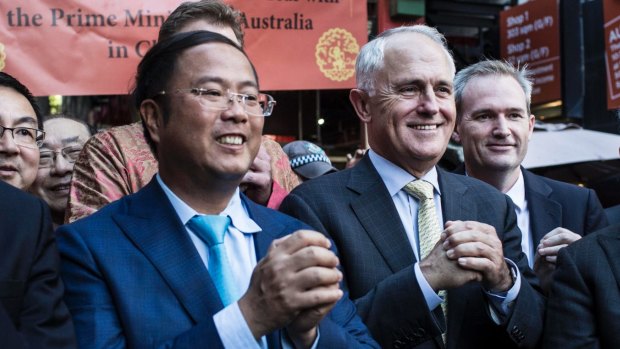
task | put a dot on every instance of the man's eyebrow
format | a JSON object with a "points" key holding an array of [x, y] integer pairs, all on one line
{"points": [[491, 110], [26, 120], [70, 140], [205, 79]]}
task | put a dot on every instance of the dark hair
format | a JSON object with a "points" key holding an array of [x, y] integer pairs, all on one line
{"points": [[10, 82], [212, 11], [159, 63]]}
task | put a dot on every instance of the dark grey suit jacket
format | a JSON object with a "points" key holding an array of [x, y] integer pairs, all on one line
{"points": [[354, 208], [32, 312], [584, 303], [555, 204]]}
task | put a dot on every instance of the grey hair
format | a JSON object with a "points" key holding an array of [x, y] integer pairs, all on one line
{"points": [[370, 59], [492, 67]]}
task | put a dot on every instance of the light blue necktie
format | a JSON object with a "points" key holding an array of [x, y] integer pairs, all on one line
{"points": [[211, 229]]}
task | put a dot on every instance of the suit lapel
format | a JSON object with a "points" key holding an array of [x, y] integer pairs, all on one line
{"points": [[375, 210], [545, 214], [454, 207], [452, 192], [271, 228], [153, 226]]}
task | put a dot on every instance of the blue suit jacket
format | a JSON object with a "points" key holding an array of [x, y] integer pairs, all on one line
{"points": [[355, 209], [134, 278]]}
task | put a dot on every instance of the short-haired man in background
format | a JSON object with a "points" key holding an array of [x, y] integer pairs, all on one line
{"points": [[21, 133], [64, 139], [407, 231], [494, 125]]}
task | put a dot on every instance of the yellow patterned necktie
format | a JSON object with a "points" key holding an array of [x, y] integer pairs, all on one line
{"points": [[429, 230]]}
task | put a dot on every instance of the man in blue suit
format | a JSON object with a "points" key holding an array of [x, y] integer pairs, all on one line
{"points": [[494, 124], [140, 273], [385, 214]]}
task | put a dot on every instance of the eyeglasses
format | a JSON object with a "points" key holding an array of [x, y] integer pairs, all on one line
{"points": [[260, 104], [48, 157], [25, 136]]}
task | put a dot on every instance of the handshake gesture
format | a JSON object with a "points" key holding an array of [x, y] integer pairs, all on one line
{"points": [[293, 287], [467, 251]]}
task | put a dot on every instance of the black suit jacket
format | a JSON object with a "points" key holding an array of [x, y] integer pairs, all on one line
{"points": [[355, 209], [32, 313], [584, 303], [555, 204]]}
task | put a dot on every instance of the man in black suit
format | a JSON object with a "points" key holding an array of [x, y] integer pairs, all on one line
{"points": [[404, 96], [583, 309], [494, 125], [32, 313]]}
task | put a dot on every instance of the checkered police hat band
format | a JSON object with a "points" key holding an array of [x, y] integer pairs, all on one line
{"points": [[306, 159]]}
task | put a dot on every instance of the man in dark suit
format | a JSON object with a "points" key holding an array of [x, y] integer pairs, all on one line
{"points": [[583, 309], [32, 313], [143, 272], [382, 226], [494, 125]]}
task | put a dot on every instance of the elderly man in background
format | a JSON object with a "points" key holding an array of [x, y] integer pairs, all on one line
{"points": [[63, 142], [407, 231], [494, 125]]}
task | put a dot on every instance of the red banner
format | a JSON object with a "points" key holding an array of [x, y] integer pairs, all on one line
{"points": [[612, 52], [82, 47], [530, 33]]}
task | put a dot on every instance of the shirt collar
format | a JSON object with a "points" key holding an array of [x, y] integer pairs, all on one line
{"points": [[240, 218], [395, 178], [517, 192]]}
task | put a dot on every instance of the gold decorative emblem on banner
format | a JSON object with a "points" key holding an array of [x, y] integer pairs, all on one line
{"points": [[2, 56], [335, 54]]}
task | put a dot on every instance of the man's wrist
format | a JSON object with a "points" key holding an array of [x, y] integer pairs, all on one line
{"points": [[304, 339], [508, 279]]}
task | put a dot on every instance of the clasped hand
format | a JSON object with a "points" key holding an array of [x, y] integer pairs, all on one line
{"points": [[293, 287], [467, 251]]}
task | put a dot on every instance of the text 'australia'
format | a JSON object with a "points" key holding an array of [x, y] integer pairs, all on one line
{"points": [[296, 22]]}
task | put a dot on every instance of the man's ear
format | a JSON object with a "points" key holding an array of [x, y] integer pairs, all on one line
{"points": [[455, 135], [359, 100], [532, 121], [151, 115]]}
